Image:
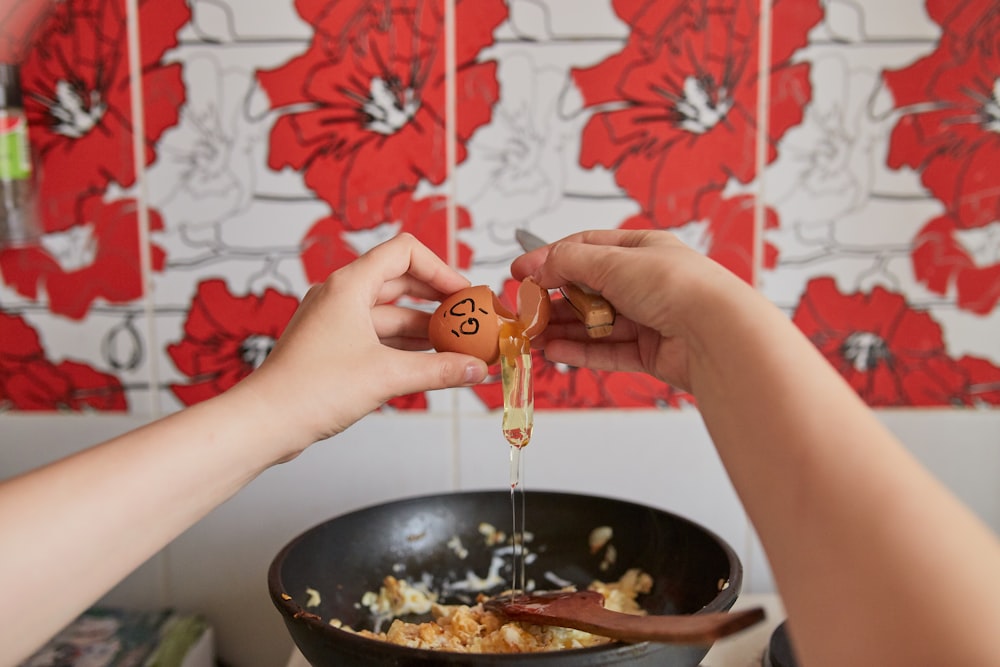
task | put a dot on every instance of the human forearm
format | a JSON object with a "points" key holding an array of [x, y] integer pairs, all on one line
{"points": [[845, 514], [72, 530]]}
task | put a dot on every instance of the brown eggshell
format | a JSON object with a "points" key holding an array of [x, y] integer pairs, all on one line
{"points": [[533, 307], [468, 321]]}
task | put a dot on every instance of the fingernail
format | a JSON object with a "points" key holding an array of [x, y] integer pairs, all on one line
{"points": [[475, 372]]}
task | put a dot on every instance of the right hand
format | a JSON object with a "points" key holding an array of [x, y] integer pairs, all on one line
{"points": [[658, 285]]}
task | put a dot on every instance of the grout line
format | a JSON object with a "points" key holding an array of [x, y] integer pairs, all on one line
{"points": [[451, 217], [763, 125], [750, 583], [450, 128], [142, 213], [145, 247], [456, 445]]}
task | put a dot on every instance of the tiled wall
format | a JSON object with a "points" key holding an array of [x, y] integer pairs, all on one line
{"points": [[838, 154]]}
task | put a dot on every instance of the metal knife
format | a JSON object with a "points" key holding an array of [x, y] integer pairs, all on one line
{"points": [[596, 312]]}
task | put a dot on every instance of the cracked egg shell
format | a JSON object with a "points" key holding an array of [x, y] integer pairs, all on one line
{"points": [[468, 321], [533, 307]]}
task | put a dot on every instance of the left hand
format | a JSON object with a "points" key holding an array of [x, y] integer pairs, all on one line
{"points": [[348, 348]]}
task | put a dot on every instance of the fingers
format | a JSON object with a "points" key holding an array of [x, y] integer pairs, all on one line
{"points": [[407, 285], [584, 257], [399, 322], [407, 344], [424, 372], [565, 323], [601, 356], [404, 255], [625, 238]]}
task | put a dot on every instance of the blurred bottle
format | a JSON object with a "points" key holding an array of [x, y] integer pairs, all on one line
{"points": [[18, 215]]}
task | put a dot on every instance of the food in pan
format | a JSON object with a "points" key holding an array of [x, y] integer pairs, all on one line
{"points": [[471, 629]]}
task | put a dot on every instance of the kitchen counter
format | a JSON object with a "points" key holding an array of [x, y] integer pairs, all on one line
{"points": [[744, 649]]}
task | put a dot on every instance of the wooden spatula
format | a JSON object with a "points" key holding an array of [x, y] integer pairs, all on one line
{"points": [[584, 610]]}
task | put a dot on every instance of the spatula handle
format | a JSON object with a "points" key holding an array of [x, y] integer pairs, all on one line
{"points": [[584, 610], [682, 629]]}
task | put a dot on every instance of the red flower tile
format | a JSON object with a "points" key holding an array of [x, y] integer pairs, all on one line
{"points": [[890, 354], [983, 386], [30, 381], [968, 25], [375, 121], [78, 98], [97, 259], [558, 387], [427, 220], [729, 233], [226, 337], [675, 110], [951, 114], [325, 249], [941, 262], [414, 402]]}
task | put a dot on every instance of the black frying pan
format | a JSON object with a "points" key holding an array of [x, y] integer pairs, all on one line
{"points": [[348, 555]]}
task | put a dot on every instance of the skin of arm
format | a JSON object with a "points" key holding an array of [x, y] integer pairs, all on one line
{"points": [[346, 351], [876, 562]]}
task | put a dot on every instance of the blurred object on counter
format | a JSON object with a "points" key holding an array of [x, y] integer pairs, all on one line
{"points": [[780, 652], [120, 638], [18, 216]]}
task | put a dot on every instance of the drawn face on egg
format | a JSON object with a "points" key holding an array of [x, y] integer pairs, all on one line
{"points": [[469, 320], [464, 316]]}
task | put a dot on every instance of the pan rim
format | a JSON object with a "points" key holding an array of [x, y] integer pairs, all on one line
{"points": [[291, 610]]}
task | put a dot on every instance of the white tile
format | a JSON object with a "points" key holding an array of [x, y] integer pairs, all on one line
{"points": [[852, 21], [29, 440], [961, 448], [561, 19], [757, 568], [236, 21]]}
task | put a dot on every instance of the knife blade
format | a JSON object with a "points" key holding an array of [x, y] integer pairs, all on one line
{"points": [[596, 312]]}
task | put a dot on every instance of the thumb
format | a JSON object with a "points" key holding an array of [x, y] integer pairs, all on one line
{"points": [[438, 370]]}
